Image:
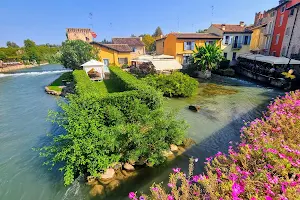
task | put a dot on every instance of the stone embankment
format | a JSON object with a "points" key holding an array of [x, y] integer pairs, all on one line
{"points": [[17, 67]]}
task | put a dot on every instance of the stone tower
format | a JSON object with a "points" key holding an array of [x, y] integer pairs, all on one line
{"points": [[84, 34]]}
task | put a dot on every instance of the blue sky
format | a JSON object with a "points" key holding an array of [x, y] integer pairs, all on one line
{"points": [[45, 21]]}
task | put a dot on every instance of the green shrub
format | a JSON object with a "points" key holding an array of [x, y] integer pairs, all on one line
{"points": [[176, 84], [105, 128]]}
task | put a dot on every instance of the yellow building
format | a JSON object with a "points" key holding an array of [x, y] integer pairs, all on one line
{"points": [[259, 39], [114, 54], [181, 45]]}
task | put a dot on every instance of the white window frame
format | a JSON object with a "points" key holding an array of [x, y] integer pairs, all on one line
{"points": [[277, 39], [281, 20]]}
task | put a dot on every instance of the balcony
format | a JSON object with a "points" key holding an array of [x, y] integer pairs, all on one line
{"points": [[236, 45]]}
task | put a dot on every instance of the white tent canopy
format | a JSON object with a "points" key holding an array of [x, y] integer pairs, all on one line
{"points": [[161, 62], [270, 59], [92, 63]]}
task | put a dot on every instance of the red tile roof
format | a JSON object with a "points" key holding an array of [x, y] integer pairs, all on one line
{"points": [[124, 48], [132, 41], [233, 28]]}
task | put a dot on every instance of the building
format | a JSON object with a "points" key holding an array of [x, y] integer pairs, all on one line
{"points": [[181, 45], [113, 54], [236, 38], [84, 34], [291, 40], [263, 31], [135, 43], [280, 26]]}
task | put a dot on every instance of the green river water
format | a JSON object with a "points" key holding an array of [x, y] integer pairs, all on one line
{"points": [[23, 110]]}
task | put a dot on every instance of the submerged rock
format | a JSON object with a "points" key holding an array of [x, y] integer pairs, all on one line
{"points": [[128, 167], [113, 185], [108, 174], [97, 190], [188, 142], [173, 147], [195, 108]]}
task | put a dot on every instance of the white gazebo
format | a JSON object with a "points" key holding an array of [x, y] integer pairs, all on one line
{"points": [[94, 69]]}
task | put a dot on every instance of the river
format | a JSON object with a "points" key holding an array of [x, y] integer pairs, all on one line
{"points": [[23, 111]]}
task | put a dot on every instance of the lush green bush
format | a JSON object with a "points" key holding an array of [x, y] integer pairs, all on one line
{"points": [[76, 52], [176, 84], [265, 165], [115, 127]]}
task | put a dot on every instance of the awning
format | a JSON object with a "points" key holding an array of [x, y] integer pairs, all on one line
{"points": [[270, 59], [92, 63], [166, 65]]}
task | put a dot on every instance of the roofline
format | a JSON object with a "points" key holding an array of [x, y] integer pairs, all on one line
{"points": [[129, 38], [281, 4], [293, 6], [80, 28], [103, 45], [199, 38], [230, 32], [262, 25], [212, 37]]}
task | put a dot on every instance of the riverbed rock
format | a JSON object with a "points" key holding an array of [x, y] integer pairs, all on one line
{"points": [[195, 108], [173, 147], [91, 180], [97, 190], [128, 167], [113, 185], [188, 142], [181, 150], [108, 174], [116, 166]]}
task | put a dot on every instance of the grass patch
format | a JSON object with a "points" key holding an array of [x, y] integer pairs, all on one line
{"points": [[211, 89], [68, 77], [108, 86], [55, 88]]}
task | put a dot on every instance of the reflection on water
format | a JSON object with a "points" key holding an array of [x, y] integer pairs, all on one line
{"points": [[23, 110]]}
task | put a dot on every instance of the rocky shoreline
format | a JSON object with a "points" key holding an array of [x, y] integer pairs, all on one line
{"points": [[17, 67]]}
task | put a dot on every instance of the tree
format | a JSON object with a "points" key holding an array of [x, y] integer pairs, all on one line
{"points": [[207, 57], [105, 41], [158, 32], [11, 44], [2, 55], [75, 53], [149, 42], [201, 31], [29, 43], [31, 51]]}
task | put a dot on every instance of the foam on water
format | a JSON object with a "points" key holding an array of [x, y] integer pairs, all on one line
{"points": [[34, 73]]}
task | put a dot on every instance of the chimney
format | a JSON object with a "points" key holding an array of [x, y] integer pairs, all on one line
{"points": [[223, 27], [242, 24]]}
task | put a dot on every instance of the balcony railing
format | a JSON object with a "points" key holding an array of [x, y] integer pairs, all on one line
{"points": [[237, 45]]}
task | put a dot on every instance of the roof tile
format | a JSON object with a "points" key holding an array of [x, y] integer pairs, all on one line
{"points": [[233, 28], [132, 41]]}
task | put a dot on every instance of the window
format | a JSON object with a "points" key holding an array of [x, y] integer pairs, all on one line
{"points": [[277, 39], [287, 32], [227, 39], [189, 45], [186, 59], [234, 56], [282, 9], [281, 20], [272, 14], [87, 39], [209, 42], [283, 52], [123, 61], [274, 53], [246, 38], [225, 55], [292, 12], [133, 49]]}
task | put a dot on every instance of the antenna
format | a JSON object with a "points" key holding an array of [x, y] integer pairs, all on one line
{"points": [[212, 13], [91, 20]]}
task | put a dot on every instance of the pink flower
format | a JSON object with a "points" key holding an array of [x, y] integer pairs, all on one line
{"points": [[155, 189], [253, 198], [131, 195], [170, 185], [176, 170], [142, 198], [237, 189], [196, 178], [269, 198], [170, 197]]}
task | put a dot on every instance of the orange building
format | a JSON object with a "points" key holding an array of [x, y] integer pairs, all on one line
{"points": [[181, 45]]}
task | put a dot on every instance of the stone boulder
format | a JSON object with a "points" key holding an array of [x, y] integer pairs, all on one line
{"points": [[128, 167], [91, 180], [167, 154], [108, 174], [195, 108], [97, 190], [113, 185], [173, 147]]}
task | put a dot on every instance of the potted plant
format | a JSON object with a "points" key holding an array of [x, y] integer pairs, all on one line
{"points": [[206, 58]]}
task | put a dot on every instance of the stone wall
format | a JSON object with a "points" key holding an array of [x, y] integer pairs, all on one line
{"points": [[83, 34]]}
